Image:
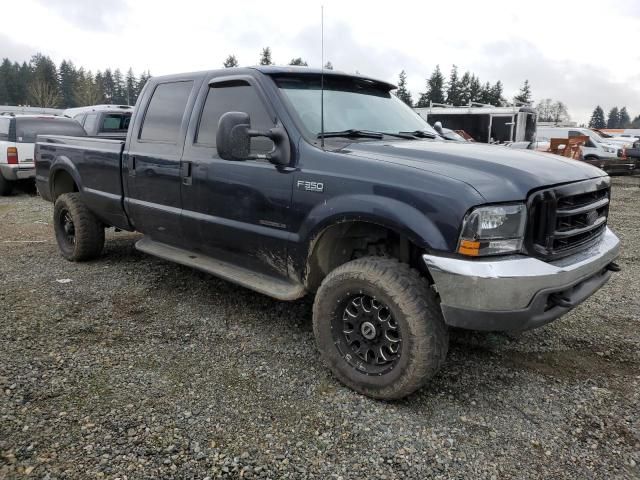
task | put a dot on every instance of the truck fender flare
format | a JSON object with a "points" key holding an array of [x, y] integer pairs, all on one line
{"points": [[63, 163], [387, 212]]}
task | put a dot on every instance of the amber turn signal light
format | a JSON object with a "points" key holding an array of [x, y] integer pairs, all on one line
{"points": [[469, 248]]}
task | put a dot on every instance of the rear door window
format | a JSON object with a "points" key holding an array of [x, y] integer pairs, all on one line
{"points": [[27, 129], [163, 118]]}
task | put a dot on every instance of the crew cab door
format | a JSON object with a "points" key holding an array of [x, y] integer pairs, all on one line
{"points": [[152, 164], [235, 211]]}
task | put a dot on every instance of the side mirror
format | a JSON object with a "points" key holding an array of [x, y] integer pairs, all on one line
{"points": [[233, 140], [438, 128]]}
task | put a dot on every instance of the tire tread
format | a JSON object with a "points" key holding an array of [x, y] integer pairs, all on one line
{"points": [[419, 304], [89, 230]]}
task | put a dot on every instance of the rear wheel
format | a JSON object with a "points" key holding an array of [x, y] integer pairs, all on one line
{"points": [[79, 234], [6, 186], [379, 327]]}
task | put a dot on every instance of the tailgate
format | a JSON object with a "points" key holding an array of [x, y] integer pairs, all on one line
{"points": [[25, 154]]}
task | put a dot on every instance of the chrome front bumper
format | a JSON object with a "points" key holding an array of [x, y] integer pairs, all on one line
{"points": [[517, 292], [18, 172]]}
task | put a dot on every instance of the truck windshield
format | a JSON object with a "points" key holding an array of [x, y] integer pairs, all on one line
{"points": [[350, 104]]}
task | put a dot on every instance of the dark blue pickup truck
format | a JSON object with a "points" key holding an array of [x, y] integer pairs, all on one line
{"points": [[291, 181]]}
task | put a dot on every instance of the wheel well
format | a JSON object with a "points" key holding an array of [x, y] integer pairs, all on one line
{"points": [[347, 241], [62, 183]]}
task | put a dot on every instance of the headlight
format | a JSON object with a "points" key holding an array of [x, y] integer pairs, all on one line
{"points": [[493, 230], [609, 150]]}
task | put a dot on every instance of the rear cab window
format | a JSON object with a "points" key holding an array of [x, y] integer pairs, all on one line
{"points": [[27, 129], [115, 122]]}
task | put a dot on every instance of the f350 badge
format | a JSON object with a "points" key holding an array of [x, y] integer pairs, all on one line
{"points": [[310, 186]]}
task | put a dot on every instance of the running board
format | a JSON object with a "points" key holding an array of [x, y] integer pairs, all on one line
{"points": [[268, 285]]}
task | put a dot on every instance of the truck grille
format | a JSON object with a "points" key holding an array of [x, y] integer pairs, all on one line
{"points": [[568, 218]]}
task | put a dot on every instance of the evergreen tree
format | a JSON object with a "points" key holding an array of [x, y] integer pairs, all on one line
{"points": [[475, 89], [636, 122], [402, 93], [454, 93], [23, 77], [43, 88], [614, 118], [44, 70], [7, 82], [98, 81], [328, 66], [465, 89], [40, 83], [68, 83], [131, 87], [485, 95], [142, 80], [89, 92], [435, 89], [495, 94], [108, 86], [623, 118], [119, 94], [265, 56], [524, 96], [298, 61], [597, 118], [230, 62]]}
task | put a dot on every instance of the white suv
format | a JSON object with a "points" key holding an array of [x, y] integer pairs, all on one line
{"points": [[17, 139]]}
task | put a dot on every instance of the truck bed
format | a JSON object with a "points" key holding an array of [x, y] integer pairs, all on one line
{"points": [[95, 164]]}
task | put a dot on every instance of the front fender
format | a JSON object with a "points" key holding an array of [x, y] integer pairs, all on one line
{"points": [[388, 212]]}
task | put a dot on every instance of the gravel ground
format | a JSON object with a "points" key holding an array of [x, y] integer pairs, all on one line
{"points": [[139, 368]]}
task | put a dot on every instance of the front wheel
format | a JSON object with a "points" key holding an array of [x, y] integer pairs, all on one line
{"points": [[79, 234], [379, 327]]}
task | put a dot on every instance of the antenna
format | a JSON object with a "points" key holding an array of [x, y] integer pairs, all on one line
{"points": [[322, 76]]}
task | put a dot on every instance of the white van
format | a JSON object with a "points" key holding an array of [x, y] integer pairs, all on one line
{"points": [[17, 139]]}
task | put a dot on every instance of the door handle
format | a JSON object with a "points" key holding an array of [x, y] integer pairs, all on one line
{"points": [[132, 166], [185, 173]]}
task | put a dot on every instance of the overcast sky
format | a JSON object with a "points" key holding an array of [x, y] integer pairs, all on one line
{"points": [[581, 52]]}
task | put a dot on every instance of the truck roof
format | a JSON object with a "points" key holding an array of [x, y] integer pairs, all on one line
{"points": [[281, 70]]}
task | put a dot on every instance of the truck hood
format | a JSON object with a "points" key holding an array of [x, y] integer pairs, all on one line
{"points": [[498, 173]]}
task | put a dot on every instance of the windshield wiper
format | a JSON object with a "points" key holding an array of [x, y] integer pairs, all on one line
{"points": [[351, 133], [355, 133], [420, 134]]}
